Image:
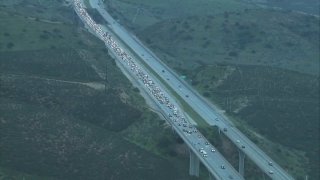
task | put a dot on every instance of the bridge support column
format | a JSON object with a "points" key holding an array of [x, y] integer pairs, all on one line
{"points": [[173, 130], [211, 177], [194, 164], [241, 163]]}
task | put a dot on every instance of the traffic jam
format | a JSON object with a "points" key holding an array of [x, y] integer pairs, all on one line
{"points": [[176, 117]]}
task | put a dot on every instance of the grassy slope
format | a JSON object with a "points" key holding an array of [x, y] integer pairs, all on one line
{"points": [[282, 47], [281, 40], [52, 125], [276, 109], [233, 33], [308, 6], [248, 42], [241, 47], [54, 10], [33, 34], [143, 13]]}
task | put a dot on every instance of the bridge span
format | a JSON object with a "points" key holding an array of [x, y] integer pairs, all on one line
{"points": [[129, 52]]}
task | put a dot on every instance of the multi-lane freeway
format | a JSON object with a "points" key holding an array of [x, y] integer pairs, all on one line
{"points": [[212, 159], [206, 110]]}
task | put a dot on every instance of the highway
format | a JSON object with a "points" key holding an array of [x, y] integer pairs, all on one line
{"points": [[204, 108], [217, 165]]}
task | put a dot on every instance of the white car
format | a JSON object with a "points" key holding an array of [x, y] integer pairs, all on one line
{"points": [[204, 155]]}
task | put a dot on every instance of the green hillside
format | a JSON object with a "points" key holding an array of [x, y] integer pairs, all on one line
{"points": [[250, 67], [59, 120], [285, 110], [140, 14], [252, 37], [307, 6], [260, 65]]}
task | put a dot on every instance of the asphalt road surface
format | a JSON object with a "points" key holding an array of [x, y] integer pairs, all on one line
{"points": [[219, 167], [205, 109]]}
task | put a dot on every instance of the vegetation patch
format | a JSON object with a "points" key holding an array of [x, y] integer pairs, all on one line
{"points": [[274, 102], [64, 64], [140, 14], [62, 103], [260, 65], [49, 143], [284, 40]]}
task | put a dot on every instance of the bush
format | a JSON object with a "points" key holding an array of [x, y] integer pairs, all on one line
{"points": [[233, 54], [10, 45], [136, 90], [206, 94], [44, 36], [269, 46]]}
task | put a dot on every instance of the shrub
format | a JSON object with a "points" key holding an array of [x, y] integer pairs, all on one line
{"points": [[233, 54], [10, 45]]}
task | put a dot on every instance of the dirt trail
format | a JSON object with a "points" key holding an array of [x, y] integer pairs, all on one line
{"points": [[94, 85]]}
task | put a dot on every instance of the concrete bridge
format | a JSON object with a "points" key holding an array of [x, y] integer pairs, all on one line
{"points": [[145, 68]]}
